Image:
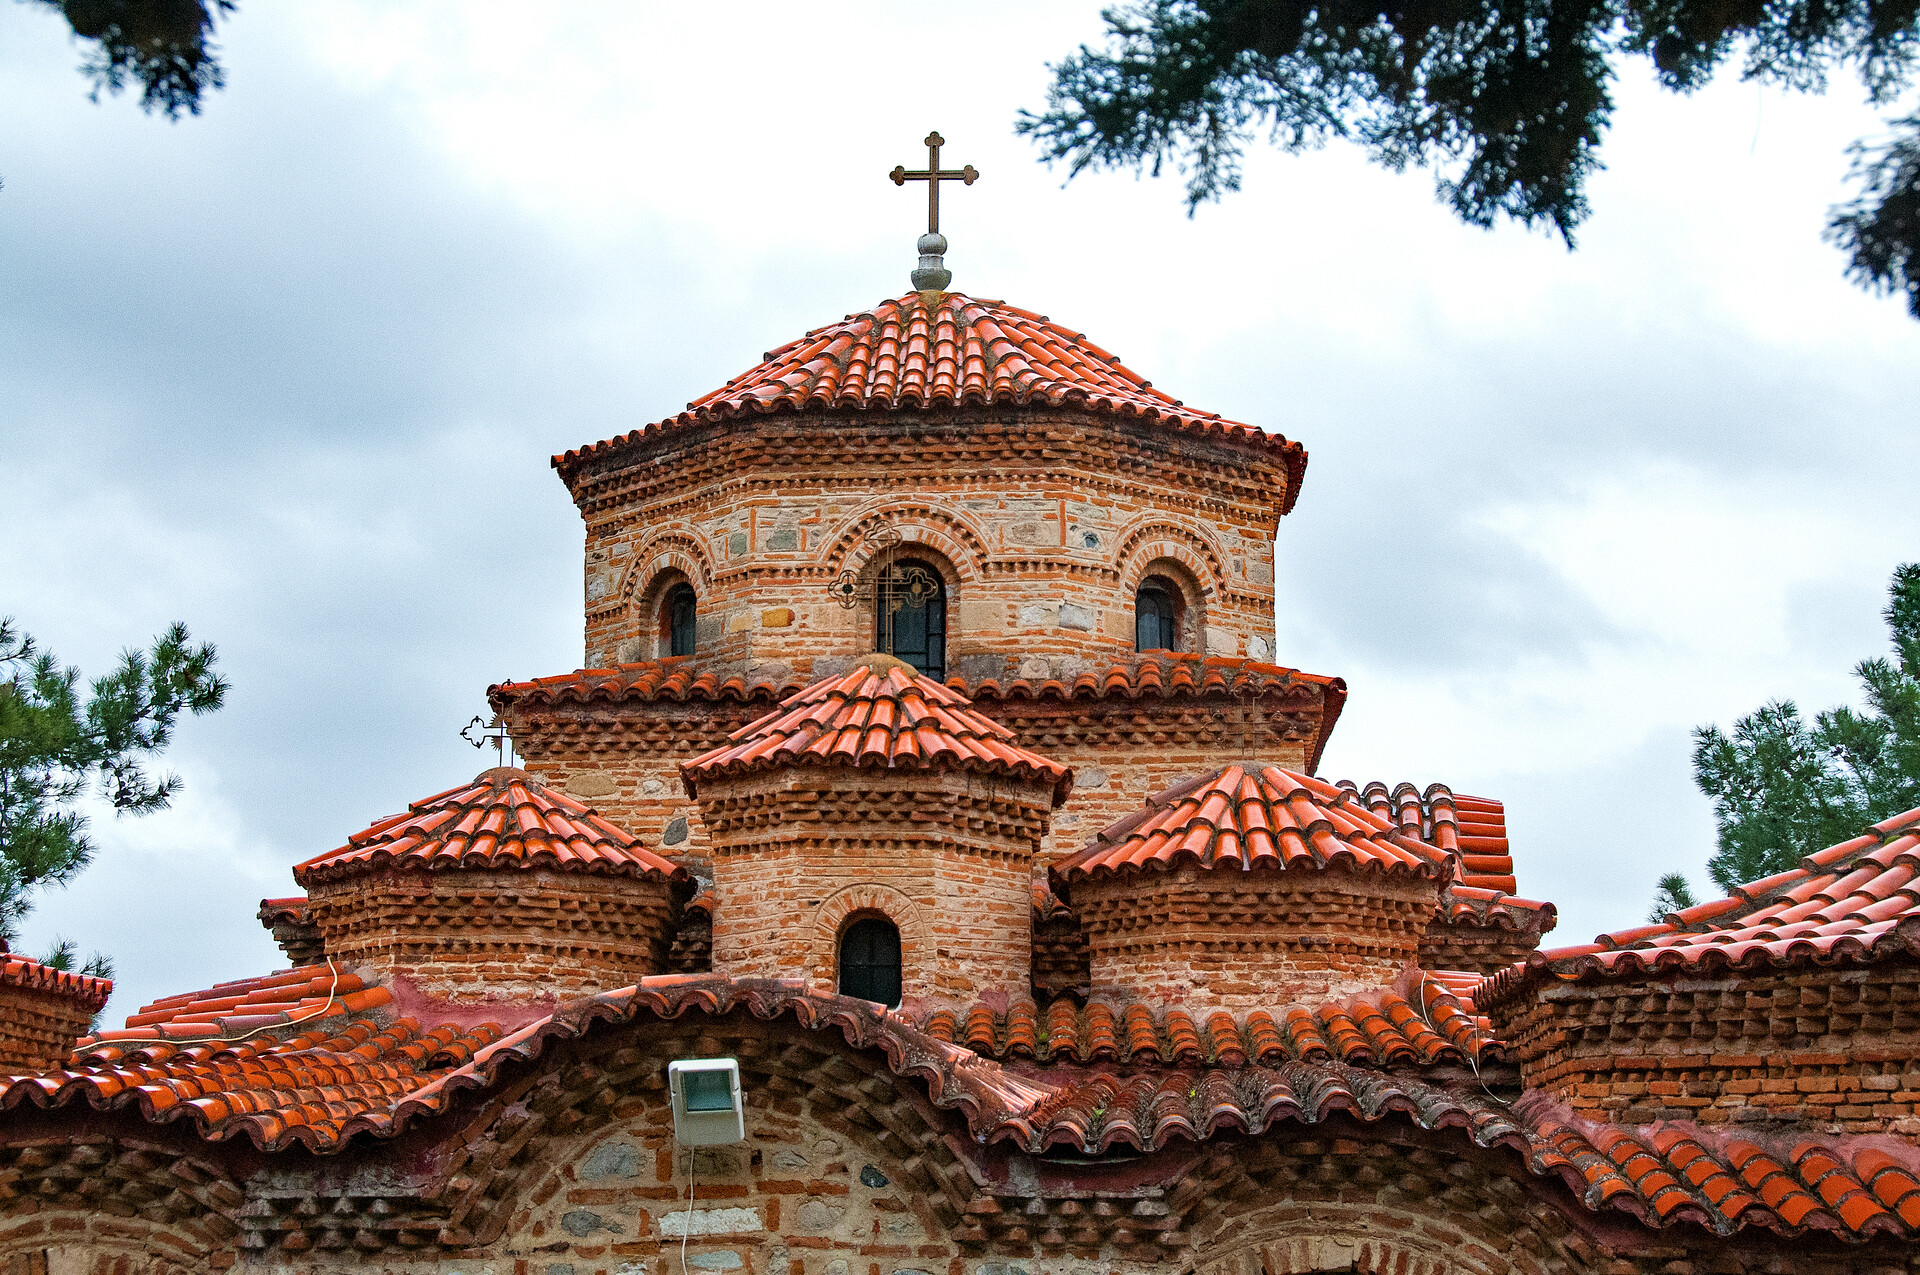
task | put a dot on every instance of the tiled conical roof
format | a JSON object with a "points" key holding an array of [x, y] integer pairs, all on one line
{"points": [[503, 819], [883, 715], [1239, 817], [941, 349]]}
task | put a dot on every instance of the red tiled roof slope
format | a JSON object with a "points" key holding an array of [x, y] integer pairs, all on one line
{"points": [[503, 819], [290, 997], [1381, 1028], [947, 349], [1849, 902], [1237, 817], [1473, 827], [670, 678], [325, 1086], [883, 715]]}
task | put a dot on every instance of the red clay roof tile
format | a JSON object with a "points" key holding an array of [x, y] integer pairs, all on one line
{"points": [[503, 819], [958, 351], [884, 715], [1848, 903], [84, 989], [1237, 817], [324, 1086]]}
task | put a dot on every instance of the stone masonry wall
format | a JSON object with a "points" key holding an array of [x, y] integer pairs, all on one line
{"points": [[802, 1196], [799, 853], [1233, 939], [1044, 525]]}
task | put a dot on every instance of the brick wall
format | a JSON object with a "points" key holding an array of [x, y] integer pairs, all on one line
{"points": [[1469, 945], [1225, 937], [947, 856], [1832, 1049], [480, 935]]}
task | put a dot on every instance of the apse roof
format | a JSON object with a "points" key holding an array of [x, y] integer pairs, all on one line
{"points": [[1239, 817], [881, 714], [503, 819], [940, 349]]}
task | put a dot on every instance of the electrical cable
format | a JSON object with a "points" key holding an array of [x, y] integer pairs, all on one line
{"points": [[333, 988], [687, 1228]]}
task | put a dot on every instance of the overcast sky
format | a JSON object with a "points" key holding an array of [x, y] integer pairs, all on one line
{"points": [[291, 372]]}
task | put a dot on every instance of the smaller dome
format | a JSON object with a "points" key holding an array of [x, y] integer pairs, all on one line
{"points": [[1243, 817], [503, 819], [881, 714]]}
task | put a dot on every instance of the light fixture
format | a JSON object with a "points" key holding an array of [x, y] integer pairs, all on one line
{"points": [[707, 1111]]}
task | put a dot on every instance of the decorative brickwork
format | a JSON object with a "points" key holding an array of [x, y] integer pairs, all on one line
{"points": [[293, 932], [947, 857], [1239, 940], [485, 935], [43, 1011]]}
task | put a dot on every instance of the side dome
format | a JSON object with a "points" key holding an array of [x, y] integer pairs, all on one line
{"points": [[498, 887], [876, 812], [1252, 885]]}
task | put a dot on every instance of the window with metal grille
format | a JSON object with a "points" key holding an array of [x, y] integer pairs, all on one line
{"points": [[870, 961], [910, 616], [679, 608], [1155, 618]]}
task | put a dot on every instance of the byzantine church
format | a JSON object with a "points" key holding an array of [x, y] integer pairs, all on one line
{"points": [[933, 780]]}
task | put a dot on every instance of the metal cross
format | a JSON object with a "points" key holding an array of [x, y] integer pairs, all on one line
{"points": [[933, 175], [494, 732]]}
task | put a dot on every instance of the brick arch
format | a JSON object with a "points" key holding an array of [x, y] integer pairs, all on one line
{"points": [[130, 1244], [921, 523], [1348, 1237], [589, 1091], [871, 899], [1192, 586], [682, 552], [1153, 538]]}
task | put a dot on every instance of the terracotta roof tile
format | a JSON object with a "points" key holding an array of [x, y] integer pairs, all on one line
{"points": [[1242, 818], [1475, 828], [882, 714], [1381, 1028], [677, 678], [324, 1086], [84, 989], [309, 993], [947, 349], [282, 911], [1847, 903], [503, 819]]}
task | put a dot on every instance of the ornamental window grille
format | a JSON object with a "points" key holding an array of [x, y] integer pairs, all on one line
{"points": [[910, 615], [1156, 622], [677, 612], [870, 961]]}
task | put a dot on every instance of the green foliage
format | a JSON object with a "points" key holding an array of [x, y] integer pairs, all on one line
{"points": [[164, 46], [63, 955], [1673, 894], [1783, 788], [53, 747], [1506, 102]]}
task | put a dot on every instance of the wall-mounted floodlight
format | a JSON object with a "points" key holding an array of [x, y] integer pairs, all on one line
{"points": [[707, 1111]]}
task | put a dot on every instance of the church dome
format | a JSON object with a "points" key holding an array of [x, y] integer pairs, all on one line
{"points": [[1250, 884], [501, 886], [947, 349]]}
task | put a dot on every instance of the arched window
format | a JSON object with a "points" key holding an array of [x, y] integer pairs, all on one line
{"points": [[910, 615], [1156, 617], [870, 961], [676, 619]]}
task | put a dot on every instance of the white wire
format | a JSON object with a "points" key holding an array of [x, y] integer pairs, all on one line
{"points": [[687, 1228], [333, 987]]}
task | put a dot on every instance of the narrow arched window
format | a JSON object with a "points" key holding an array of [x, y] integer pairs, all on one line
{"points": [[1156, 624], [870, 961], [910, 615], [677, 619]]}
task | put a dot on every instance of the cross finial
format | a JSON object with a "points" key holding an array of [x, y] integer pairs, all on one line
{"points": [[933, 274]]}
